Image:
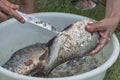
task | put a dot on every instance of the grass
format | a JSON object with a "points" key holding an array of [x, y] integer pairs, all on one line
{"points": [[97, 13], [67, 7]]}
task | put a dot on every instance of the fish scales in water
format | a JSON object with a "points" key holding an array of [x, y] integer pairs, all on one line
{"points": [[74, 41], [24, 61]]}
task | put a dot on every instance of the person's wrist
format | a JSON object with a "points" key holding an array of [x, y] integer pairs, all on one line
{"points": [[115, 16]]}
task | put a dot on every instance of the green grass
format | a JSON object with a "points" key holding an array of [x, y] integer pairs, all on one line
{"points": [[97, 13], [67, 7]]}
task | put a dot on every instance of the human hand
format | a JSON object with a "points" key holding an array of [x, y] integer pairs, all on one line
{"points": [[9, 9], [105, 28]]}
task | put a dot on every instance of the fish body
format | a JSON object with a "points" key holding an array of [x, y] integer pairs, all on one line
{"points": [[72, 42], [28, 59], [40, 59]]}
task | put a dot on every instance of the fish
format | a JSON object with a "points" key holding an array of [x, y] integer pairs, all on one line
{"points": [[28, 60], [72, 42]]}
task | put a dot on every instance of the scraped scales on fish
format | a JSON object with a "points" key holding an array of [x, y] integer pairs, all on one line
{"points": [[70, 43], [73, 42]]}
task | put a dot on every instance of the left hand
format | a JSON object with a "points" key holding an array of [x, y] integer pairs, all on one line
{"points": [[105, 28]]}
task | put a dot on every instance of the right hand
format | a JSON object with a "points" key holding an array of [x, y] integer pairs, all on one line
{"points": [[8, 9], [106, 27]]}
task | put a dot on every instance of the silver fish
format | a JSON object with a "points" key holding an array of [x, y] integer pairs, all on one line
{"points": [[28, 60], [73, 42]]}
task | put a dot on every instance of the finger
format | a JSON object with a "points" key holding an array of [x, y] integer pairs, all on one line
{"points": [[103, 41], [97, 49], [106, 35], [97, 26], [3, 16], [13, 6], [17, 16], [109, 33], [13, 13]]}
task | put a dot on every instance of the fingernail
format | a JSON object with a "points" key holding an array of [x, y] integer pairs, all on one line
{"points": [[22, 20]]}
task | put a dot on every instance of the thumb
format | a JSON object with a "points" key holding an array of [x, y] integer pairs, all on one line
{"points": [[96, 26]]}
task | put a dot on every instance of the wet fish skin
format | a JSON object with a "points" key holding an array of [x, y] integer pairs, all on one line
{"points": [[74, 41], [71, 43], [27, 60]]}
